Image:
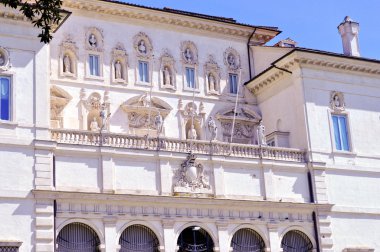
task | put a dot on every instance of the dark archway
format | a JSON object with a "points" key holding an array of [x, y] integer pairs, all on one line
{"points": [[296, 241], [247, 240], [138, 238], [77, 237], [195, 239]]}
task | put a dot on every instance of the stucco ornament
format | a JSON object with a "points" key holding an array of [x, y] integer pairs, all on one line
{"points": [[337, 101], [69, 56], [232, 59], [4, 59], [191, 176], [143, 46], [120, 62], [168, 70], [212, 76], [94, 39], [189, 53]]}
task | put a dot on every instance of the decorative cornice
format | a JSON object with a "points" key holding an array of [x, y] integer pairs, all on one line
{"points": [[295, 58], [261, 35]]}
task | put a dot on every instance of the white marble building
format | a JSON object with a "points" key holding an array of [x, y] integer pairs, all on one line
{"points": [[142, 129]]}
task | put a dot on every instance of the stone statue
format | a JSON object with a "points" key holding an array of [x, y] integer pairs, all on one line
{"points": [[94, 125], [261, 134], [337, 101], [92, 40], [142, 47], [211, 83], [2, 60], [167, 77], [231, 60], [188, 55], [192, 134], [212, 128], [144, 100], [66, 64], [158, 122], [104, 115], [118, 74]]}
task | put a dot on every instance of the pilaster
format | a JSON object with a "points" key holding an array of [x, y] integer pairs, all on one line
{"points": [[170, 243], [274, 238], [110, 233], [44, 229], [223, 235]]}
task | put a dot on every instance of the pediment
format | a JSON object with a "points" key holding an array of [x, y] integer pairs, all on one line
{"points": [[243, 114], [144, 103]]}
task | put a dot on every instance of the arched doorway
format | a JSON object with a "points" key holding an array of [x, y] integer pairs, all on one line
{"points": [[77, 237], [138, 238], [195, 239], [247, 240], [296, 241]]}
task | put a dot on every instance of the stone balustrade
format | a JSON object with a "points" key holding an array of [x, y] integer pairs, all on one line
{"points": [[176, 145]]}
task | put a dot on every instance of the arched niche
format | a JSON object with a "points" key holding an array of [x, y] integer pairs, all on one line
{"points": [[197, 127], [90, 109], [191, 114], [142, 112], [59, 98], [119, 63], [68, 61], [168, 71], [78, 236]]}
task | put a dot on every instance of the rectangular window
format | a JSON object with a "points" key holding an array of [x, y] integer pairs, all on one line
{"points": [[340, 132], [5, 98], [94, 65], [143, 71], [233, 83], [190, 77]]}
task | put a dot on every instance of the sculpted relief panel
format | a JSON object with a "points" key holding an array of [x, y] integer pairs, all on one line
{"points": [[4, 59]]}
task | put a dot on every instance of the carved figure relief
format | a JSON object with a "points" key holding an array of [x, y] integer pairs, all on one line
{"points": [[94, 39], [232, 59], [243, 131], [119, 63], [145, 112], [93, 112], [212, 128], [337, 101], [168, 71], [4, 59], [212, 76], [192, 120], [69, 56], [143, 46], [191, 177], [261, 139], [189, 53], [59, 98]]}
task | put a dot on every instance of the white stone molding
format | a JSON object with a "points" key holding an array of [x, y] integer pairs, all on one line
{"points": [[189, 59], [44, 228], [90, 108], [337, 103], [212, 76], [59, 98], [68, 60], [191, 178], [142, 112], [143, 48], [246, 121], [168, 72], [358, 249], [5, 60], [232, 60], [119, 65], [191, 115]]}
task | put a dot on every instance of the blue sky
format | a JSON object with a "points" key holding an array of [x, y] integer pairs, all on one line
{"points": [[312, 23]]}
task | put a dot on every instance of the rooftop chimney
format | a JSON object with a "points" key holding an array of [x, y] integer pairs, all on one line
{"points": [[349, 30]]}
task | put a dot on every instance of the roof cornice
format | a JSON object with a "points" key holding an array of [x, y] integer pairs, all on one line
{"points": [[302, 58], [261, 36]]}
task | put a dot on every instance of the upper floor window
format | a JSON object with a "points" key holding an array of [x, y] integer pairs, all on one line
{"points": [[94, 65], [340, 132], [144, 71], [5, 98], [233, 80], [190, 77]]}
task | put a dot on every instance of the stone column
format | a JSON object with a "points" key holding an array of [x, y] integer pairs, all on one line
{"points": [[224, 245], [274, 239], [170, 243], [110, 233]]}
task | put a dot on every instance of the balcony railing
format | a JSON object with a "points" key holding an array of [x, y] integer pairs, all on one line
{"points": [[176, 145]]}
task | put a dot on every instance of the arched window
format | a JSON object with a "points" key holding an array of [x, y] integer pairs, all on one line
{"points": [[195, 239], [247, 240], [138, 238], [296, 241], [77, 237]]}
